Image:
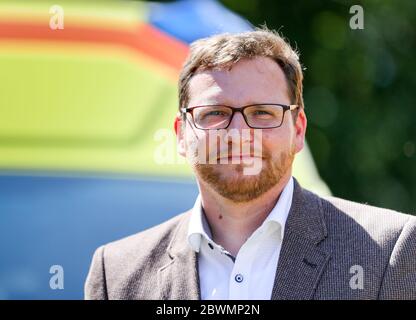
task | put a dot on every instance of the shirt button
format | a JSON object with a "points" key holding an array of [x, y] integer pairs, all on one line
{"points": [[239, 278]]}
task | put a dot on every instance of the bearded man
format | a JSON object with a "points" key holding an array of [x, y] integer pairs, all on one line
{"points": [[254, 232]]}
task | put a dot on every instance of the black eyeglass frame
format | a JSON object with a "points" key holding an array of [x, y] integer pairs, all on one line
{"points": [[285, 107]]}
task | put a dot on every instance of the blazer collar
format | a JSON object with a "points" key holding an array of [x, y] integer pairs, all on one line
{"points": [[306, 217], [179, 278], [301, 262]]}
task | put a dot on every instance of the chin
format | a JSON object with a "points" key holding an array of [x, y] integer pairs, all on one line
{"points": [[233, 170]]}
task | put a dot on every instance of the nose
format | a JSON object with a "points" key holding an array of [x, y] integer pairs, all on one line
{"points": [[238, 121], [245, 133]]}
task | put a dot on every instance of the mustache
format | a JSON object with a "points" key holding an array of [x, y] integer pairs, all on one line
{"points": [[238, 152], [228, 154]]}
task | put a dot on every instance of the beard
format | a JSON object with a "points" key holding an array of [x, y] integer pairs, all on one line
{"points": [[241, 188]]}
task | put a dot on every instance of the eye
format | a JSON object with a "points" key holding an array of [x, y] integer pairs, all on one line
{"points": [[261, 112], [215, 113]]}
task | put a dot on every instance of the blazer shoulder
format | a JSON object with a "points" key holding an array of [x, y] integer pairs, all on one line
{"points": [[358, 209], [380, 223], [119, 266], [158, 236]]}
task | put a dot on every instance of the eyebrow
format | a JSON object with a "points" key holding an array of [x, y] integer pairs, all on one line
{"points": [[235, 105]]}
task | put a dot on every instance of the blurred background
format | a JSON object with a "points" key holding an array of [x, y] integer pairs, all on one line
{"points": [[81, 144]]}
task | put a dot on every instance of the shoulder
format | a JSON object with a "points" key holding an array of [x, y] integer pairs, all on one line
{"points": [[350, 217], [382, 241], [364, 213], [149, 241], [117, 267]]}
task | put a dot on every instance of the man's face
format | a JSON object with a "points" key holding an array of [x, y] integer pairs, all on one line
{"points": [[254, 81]]}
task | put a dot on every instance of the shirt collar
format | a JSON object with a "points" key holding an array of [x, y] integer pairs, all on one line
{"points": [[198, 225]]}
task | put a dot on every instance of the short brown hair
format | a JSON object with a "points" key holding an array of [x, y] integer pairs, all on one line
{"points": [[224, 50]]}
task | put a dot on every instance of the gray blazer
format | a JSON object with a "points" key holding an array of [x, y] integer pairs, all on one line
{"points": [[332, 249]]}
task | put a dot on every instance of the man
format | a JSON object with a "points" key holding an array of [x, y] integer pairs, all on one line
{"points": [[258, 234]]}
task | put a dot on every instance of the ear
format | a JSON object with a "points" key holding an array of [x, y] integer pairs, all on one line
{"points": [[175, 124], [180, 136], [300, 130]]}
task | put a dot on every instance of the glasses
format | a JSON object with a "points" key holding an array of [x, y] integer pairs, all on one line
{"points": [[257, 116]]}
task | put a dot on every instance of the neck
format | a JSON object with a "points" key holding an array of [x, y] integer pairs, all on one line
{"points": [[233, 223]]}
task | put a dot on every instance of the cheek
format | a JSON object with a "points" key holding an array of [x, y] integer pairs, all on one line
{"points": [[195, 142], [276, 140]]}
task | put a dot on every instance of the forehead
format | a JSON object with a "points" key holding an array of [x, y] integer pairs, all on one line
{"points": [[249, 81]]}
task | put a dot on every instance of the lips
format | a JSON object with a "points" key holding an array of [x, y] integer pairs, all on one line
{"points": [[241, 157]]}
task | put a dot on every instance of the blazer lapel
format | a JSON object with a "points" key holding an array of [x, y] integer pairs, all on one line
{"points": [[178, 279], [301, 262]]}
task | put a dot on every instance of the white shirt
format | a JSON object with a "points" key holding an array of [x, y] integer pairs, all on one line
{"points": [[251, 275]]}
